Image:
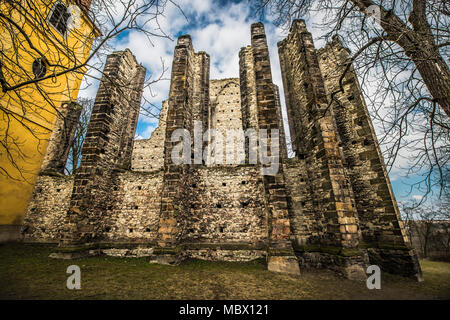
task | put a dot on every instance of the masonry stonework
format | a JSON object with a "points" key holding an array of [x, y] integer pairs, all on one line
{"points": [[61, 138], [107, 147], [148, 154], [330, 206], [350, 204]]}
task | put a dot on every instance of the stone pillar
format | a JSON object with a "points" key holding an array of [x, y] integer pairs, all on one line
{"points": [[283, 148], [201, 87], [281, 256], [315, 139], [106, 149], [61, 138], [379, 219], [133, 96], [188, 99], [201, 96], [249, 107]]}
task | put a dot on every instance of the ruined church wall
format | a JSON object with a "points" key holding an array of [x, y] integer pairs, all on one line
{"points": [[133, 215], [225, 109], [228, 206], [148, 154], [382, 231], [44, 219], [281, 257], [201, 83], [248, 88], [226, 101], [183, 96], [62, 137]]}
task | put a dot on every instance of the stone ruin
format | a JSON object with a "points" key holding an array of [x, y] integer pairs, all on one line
{"points": [[331, 206]]}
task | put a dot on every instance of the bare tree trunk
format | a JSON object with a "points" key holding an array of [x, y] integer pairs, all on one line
{"points": [[419, 45], [436, 75]]}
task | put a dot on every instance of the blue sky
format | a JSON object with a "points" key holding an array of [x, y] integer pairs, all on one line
{"points": [[220, 28]]}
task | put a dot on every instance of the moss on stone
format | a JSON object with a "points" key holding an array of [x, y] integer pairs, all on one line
{"points": [[383, 245], [280, 252], [225, 246], [337, 251], [170, 251]]}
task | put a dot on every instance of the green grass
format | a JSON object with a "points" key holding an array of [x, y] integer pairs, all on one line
{"points": [[26, 272]]}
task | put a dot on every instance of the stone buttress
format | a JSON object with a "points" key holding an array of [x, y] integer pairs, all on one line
{"points": [[107, 148], [334, 222], [188, 102], [281, 257], [348, 217], [382, 231]]}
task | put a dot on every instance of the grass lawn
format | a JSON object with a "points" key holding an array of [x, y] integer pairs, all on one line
{"points": [[26, 272]]}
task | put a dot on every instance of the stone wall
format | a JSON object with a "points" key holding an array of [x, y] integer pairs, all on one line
{"points": [[133, 215], [189, 94], [45, 217], [281, 256], [248, 88], [382, 230], [148, 154], [225, 110], [228, 206], [283, 147], [377, 210], [305, 227], [315, 139]]}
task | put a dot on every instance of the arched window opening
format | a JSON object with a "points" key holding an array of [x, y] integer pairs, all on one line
{"points": [[59, 17]]}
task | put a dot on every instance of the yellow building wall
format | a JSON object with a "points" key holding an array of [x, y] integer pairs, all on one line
{"points": [[28, 113]]}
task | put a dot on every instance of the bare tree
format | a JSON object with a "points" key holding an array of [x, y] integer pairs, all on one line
{"points": [[56, 47], [399, 50]]}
